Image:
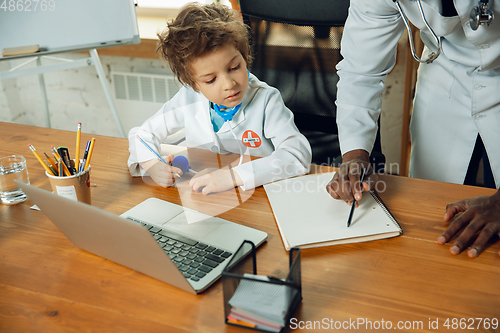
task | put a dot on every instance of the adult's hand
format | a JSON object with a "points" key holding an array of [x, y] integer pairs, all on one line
{"points": [[345, 184], [480, 215]]}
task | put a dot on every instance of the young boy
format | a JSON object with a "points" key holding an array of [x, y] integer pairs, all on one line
{"points": [[221, 106]]}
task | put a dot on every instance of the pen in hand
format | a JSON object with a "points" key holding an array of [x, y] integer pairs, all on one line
{"points": [[154, 152], [362, 178]]}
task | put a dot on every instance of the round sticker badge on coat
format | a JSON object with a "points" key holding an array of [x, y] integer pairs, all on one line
{"points": [[251, 139]]}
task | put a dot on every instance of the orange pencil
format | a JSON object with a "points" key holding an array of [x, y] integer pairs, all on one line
{"points": [[40, 160], [232, 320], [87, 163]]}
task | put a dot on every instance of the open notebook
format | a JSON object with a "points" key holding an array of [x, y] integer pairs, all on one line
{"points": [[307, 216]]}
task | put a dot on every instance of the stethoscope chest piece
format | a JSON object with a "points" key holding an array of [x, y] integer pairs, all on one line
{"points": [[481, 15]]}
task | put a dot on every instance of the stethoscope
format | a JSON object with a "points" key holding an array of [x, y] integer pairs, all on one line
{"points": [[479, 15]]}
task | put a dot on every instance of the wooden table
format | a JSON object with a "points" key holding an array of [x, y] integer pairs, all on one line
{"points": [[49, 285]]}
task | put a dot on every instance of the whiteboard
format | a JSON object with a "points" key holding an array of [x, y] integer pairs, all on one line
{"points": [[67, 25]]}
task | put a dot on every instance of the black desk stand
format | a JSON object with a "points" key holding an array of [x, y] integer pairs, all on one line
{"points": [[250, 299]]}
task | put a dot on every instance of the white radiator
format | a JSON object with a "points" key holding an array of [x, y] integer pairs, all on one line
{"points": [[138, 96]]}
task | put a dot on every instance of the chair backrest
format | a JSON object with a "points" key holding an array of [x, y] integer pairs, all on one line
{"points": [[296, 46], [319, 13]]}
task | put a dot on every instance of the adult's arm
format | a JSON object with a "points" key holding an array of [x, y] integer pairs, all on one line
{"points": [[369, 45]]}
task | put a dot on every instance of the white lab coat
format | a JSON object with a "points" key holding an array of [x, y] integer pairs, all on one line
{"points": [[285, 151], [457, 96]]}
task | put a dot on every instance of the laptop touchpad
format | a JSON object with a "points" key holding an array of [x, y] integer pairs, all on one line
{"points": [[183, 223]]}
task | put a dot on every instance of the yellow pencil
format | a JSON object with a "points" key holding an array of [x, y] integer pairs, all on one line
{"points": [[87, 163], [60, 160], [40, 160], [77, 154]]}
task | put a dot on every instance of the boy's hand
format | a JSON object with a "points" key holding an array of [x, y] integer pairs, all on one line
{"points": [[480, 216], [162, 174], [215, 180]]}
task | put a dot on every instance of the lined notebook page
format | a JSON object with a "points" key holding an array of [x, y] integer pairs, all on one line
{"points": [[307, 216]]}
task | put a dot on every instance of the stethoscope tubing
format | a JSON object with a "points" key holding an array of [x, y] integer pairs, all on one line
{"points": [[431, 56]]}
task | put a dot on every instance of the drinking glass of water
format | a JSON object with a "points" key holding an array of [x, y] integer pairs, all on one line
{"points": [[11, 168]]}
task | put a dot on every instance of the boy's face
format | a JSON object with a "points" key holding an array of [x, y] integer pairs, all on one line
{"points": [[221, 76]]}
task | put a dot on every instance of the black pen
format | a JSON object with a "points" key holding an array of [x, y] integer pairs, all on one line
{"points": [[64, 153], [354, 201]]}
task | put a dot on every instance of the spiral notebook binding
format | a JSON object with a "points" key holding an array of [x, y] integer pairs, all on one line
{"points": [[378, 199]]}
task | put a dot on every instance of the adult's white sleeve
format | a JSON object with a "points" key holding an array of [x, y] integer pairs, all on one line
{"points": [[369, 45]]}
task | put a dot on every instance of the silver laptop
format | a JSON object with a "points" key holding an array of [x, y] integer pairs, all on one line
{"points": [[153, 238]]}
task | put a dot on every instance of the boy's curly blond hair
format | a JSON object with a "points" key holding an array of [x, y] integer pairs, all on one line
{"points": [[197, 30]]}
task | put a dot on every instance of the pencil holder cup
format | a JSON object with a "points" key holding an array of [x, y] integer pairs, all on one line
{"points": [[261, 303], [75, 187]]}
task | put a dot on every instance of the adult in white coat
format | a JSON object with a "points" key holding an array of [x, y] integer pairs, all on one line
{"points": [[457, 100]]}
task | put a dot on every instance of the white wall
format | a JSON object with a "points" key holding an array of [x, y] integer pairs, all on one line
{"points": [[74, 95]]}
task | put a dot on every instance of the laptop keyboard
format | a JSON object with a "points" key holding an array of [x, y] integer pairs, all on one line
{"points": [[194, 259]]}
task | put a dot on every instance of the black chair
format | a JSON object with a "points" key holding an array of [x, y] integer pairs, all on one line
{"points": [[296, 46]]}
